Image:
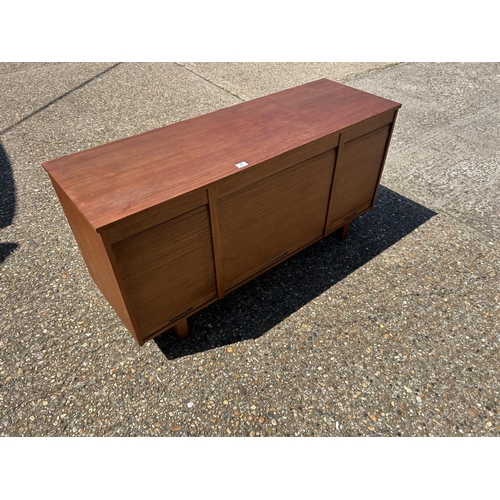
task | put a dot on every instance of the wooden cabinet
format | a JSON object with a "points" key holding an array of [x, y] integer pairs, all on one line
{"points": [[171, 220]]}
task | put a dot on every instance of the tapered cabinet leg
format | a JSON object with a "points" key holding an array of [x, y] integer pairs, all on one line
{"points": [[341, 232], [181, 329]]}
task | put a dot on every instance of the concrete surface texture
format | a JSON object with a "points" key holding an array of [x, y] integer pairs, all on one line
{"points": [[393, 332]]}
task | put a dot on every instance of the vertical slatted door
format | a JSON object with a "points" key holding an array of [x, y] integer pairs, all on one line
{"points": [[264, 222], [357, 175], [168, 270]]}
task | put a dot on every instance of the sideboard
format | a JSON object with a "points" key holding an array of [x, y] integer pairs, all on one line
{"points": [[169, 221]]}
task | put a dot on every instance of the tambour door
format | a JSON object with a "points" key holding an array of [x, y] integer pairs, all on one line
{"points": [[264, 222], [168, 270], [357, 175]]}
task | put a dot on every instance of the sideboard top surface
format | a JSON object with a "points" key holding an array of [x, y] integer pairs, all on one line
{"points": [[115, 180]]}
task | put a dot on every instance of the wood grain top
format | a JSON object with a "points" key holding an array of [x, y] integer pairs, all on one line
{"points": [[115, 180]]}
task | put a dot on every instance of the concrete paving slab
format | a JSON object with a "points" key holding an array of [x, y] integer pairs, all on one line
{"points": [[445, 149], [103, 102], [394, 331], [252, 80], [23, 94], [13, 67]]}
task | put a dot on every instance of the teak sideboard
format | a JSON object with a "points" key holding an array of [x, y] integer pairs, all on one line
{"points": [[171, 220]]}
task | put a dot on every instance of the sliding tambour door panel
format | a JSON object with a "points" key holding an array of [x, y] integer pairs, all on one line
{"points": [[168, 270], [357, 175], [265, 221]]}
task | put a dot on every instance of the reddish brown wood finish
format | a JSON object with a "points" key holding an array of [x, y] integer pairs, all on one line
{"points": [[142, 171], [272, 217], [167, 223], [168, 270], [357, 174], [181, 329]]}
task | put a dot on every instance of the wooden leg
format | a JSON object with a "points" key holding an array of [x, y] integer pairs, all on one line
{"points": [[341, 232], [181, 329]]}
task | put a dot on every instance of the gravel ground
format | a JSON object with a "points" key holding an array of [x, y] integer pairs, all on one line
{"points": [[393, 332]]}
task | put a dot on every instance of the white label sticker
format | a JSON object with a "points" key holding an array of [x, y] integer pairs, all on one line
{"points": [[242, 164]]}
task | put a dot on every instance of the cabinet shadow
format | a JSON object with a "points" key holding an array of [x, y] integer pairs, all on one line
{"points": [[7, 201], [252, 310]]}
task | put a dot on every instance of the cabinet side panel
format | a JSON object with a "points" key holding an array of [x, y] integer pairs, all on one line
{"points": [[271, 218], [357, 175], [96, 258]]}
